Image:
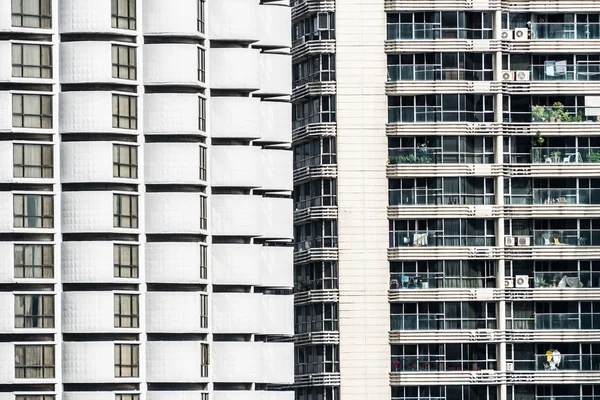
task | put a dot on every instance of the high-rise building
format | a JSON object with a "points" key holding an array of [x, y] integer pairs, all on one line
{"points": [[145, 200], [447, 199]]}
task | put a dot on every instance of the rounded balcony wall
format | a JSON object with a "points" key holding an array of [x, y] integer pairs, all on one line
{"points": [[172, 163], [275, 74], [275, 123], [276, 262], [173, 262], [235, 166], [277, 170], [161, 18], [170, 114], [173, 213], [238, 20], [91, 62], [94, 262], [88, 312], [174, 362], [173, 312], [236, 68], [171, 64], [236, 215], [90, 362], [236, 117], [275, 25], [91, 16], [93, 212], [277, 219], [236, 264]]}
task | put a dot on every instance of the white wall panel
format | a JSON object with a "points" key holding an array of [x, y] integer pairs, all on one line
{"points": [[6, 111], [5, 18], [238, 20], [173, 212], [88, 362], [277, 314], [172, 262], [277, 268], [236, 68], [172, 163], [7, 363], [277, 170], [87, 262], [86, 162], [175, 312], [7, 312], [278, 362], [275, 74], [275, 122], [235, 166], [275, 25], [160, 17], [89, 212], [278, 218], [84, 312], [6, 162], [236, 312], [166, 113], [236, 264], [7, 260], [84, 62], [78, 16], [236, 215], [170, 64], [6, 212], [5, 53], [178, 395], [235, 117], [86, 112], [88, 396], [173, 362]]}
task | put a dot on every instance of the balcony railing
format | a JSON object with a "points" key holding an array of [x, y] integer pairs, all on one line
{"points": [[566, 279], [565, 155], [437, 322], [438, 280], [555, 196], [435, 155], [321, 243], [418, 72], [425, 238], [579, 31], [317, 201], [432, 197], [436, 362], [567, 72], [568, 362], [318, 76], [410, 31], [550, 114], [566, 237], [566, 321], [319, 159]]}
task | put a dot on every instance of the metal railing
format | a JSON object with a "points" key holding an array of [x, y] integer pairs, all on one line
{"points": [[571, 72], [565, 155], [437, 322], [566, 279], [418, 72], [566, 237], [551, 321], [433, 239], [552, 30], [429, 197]]}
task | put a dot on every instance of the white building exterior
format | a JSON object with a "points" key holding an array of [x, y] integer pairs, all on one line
{"points": [[145, 191]]}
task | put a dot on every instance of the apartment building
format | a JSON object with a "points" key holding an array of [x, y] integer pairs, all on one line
{"points": [[145, 200], [446, 197]]}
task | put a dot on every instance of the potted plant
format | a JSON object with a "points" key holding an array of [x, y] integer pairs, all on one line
{"points": [[555, 156], [539, 114], [538, 140], [593, 156], [558, 113]]}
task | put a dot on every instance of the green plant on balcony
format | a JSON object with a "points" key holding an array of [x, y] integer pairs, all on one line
{"points": [[580, 117], [538, 140], [555, 155], [539, 114], [593, 156], [558, 113]]}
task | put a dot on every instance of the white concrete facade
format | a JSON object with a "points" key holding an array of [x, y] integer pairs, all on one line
{"points": [[146, 184]]}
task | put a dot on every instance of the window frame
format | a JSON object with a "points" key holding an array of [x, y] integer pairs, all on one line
{"points": [[127, 310], [119, 217], [205, 359], [204, 310], [201, 65], [121, 265], [127, 61], [201, 15], [203, 212], [44, 20], [119, 15], [46, 221], [119, 166], [48, 371], [44, 267], [203, 261], [28, 319], [202, 114], [45, 119], [127, 396], [121, 120], [134, 360], [203, 163], [46, 171], [45, 64]]}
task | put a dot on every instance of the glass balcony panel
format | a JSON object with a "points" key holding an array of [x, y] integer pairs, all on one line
{"points": [[566, 279], [436, 322], [566, 237], [565, 155], [553, 321], [565, 31]]}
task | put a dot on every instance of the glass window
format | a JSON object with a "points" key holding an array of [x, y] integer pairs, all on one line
{"points": [[203, 262], [124, 62], [127, 360], [31, 61], [203, 311], [123, 14], [125, 161], [201, 15], [202, 163], [125, 208], [205, 361], [33, 211], [127, 396], [203, 213], [201, 65], [127, 311], [34, 311], [34, 361], [32, 13], [32, 161], [35, 397], [126, 261], [32, 111], [124, 111], [34, 261], [202, 114]]}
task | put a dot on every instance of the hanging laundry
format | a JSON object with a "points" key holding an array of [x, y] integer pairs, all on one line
{"points": [[549, 68], [560, 67]]}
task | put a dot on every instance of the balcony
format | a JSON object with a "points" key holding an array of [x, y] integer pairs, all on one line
{"points": [[567, 362], [426, 322], [567, 237], [436, 155], [565, 155], [562, 31], [562, 321], [439, 239], [435, 37]]}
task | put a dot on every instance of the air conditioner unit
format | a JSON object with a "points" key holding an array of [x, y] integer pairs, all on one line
{"points": [[507, 34], [510, 366], [509, 282], [508, 75], [523, 241], [522, 75], [522, 281], [521, 34], [509, 241]]}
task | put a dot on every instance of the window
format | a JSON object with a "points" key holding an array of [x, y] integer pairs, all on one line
{"points": [[34, 361], [123, 14], [202, 114], [201, 12], [203, 213], [32, 161], [201, 65], [205, 360], [34, 261], [33, 211], [441, 108], [124, 110], [125, 211], [203, 262], [123, 62], [127, 360], [126, 261], [31, 61], [34, 311], [35, 397], [32, 13], [203, 311], [125, 161], [32, 111], [202, 163], [127, 396], [317, 359], [127, 311]]}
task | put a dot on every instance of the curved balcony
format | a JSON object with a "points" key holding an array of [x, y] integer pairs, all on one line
{"points": [[175, 262], [93, 362], [175, 213], [235, 68], [489, 377], [176, 361], [172, 64], [543, 6], [316, 296], [320, 379], [160, 18], [315, 250], [444, 253], [492, 336], [314, 172], [313, 130], [301, 8], [170, 113], [94, 262], [238, 20], [274, 26], [175, 312], [306, 48], [92, 312], [92, 112], [429, 5], [311, 89], [275, 125], [444, 128], [172, 163]]}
